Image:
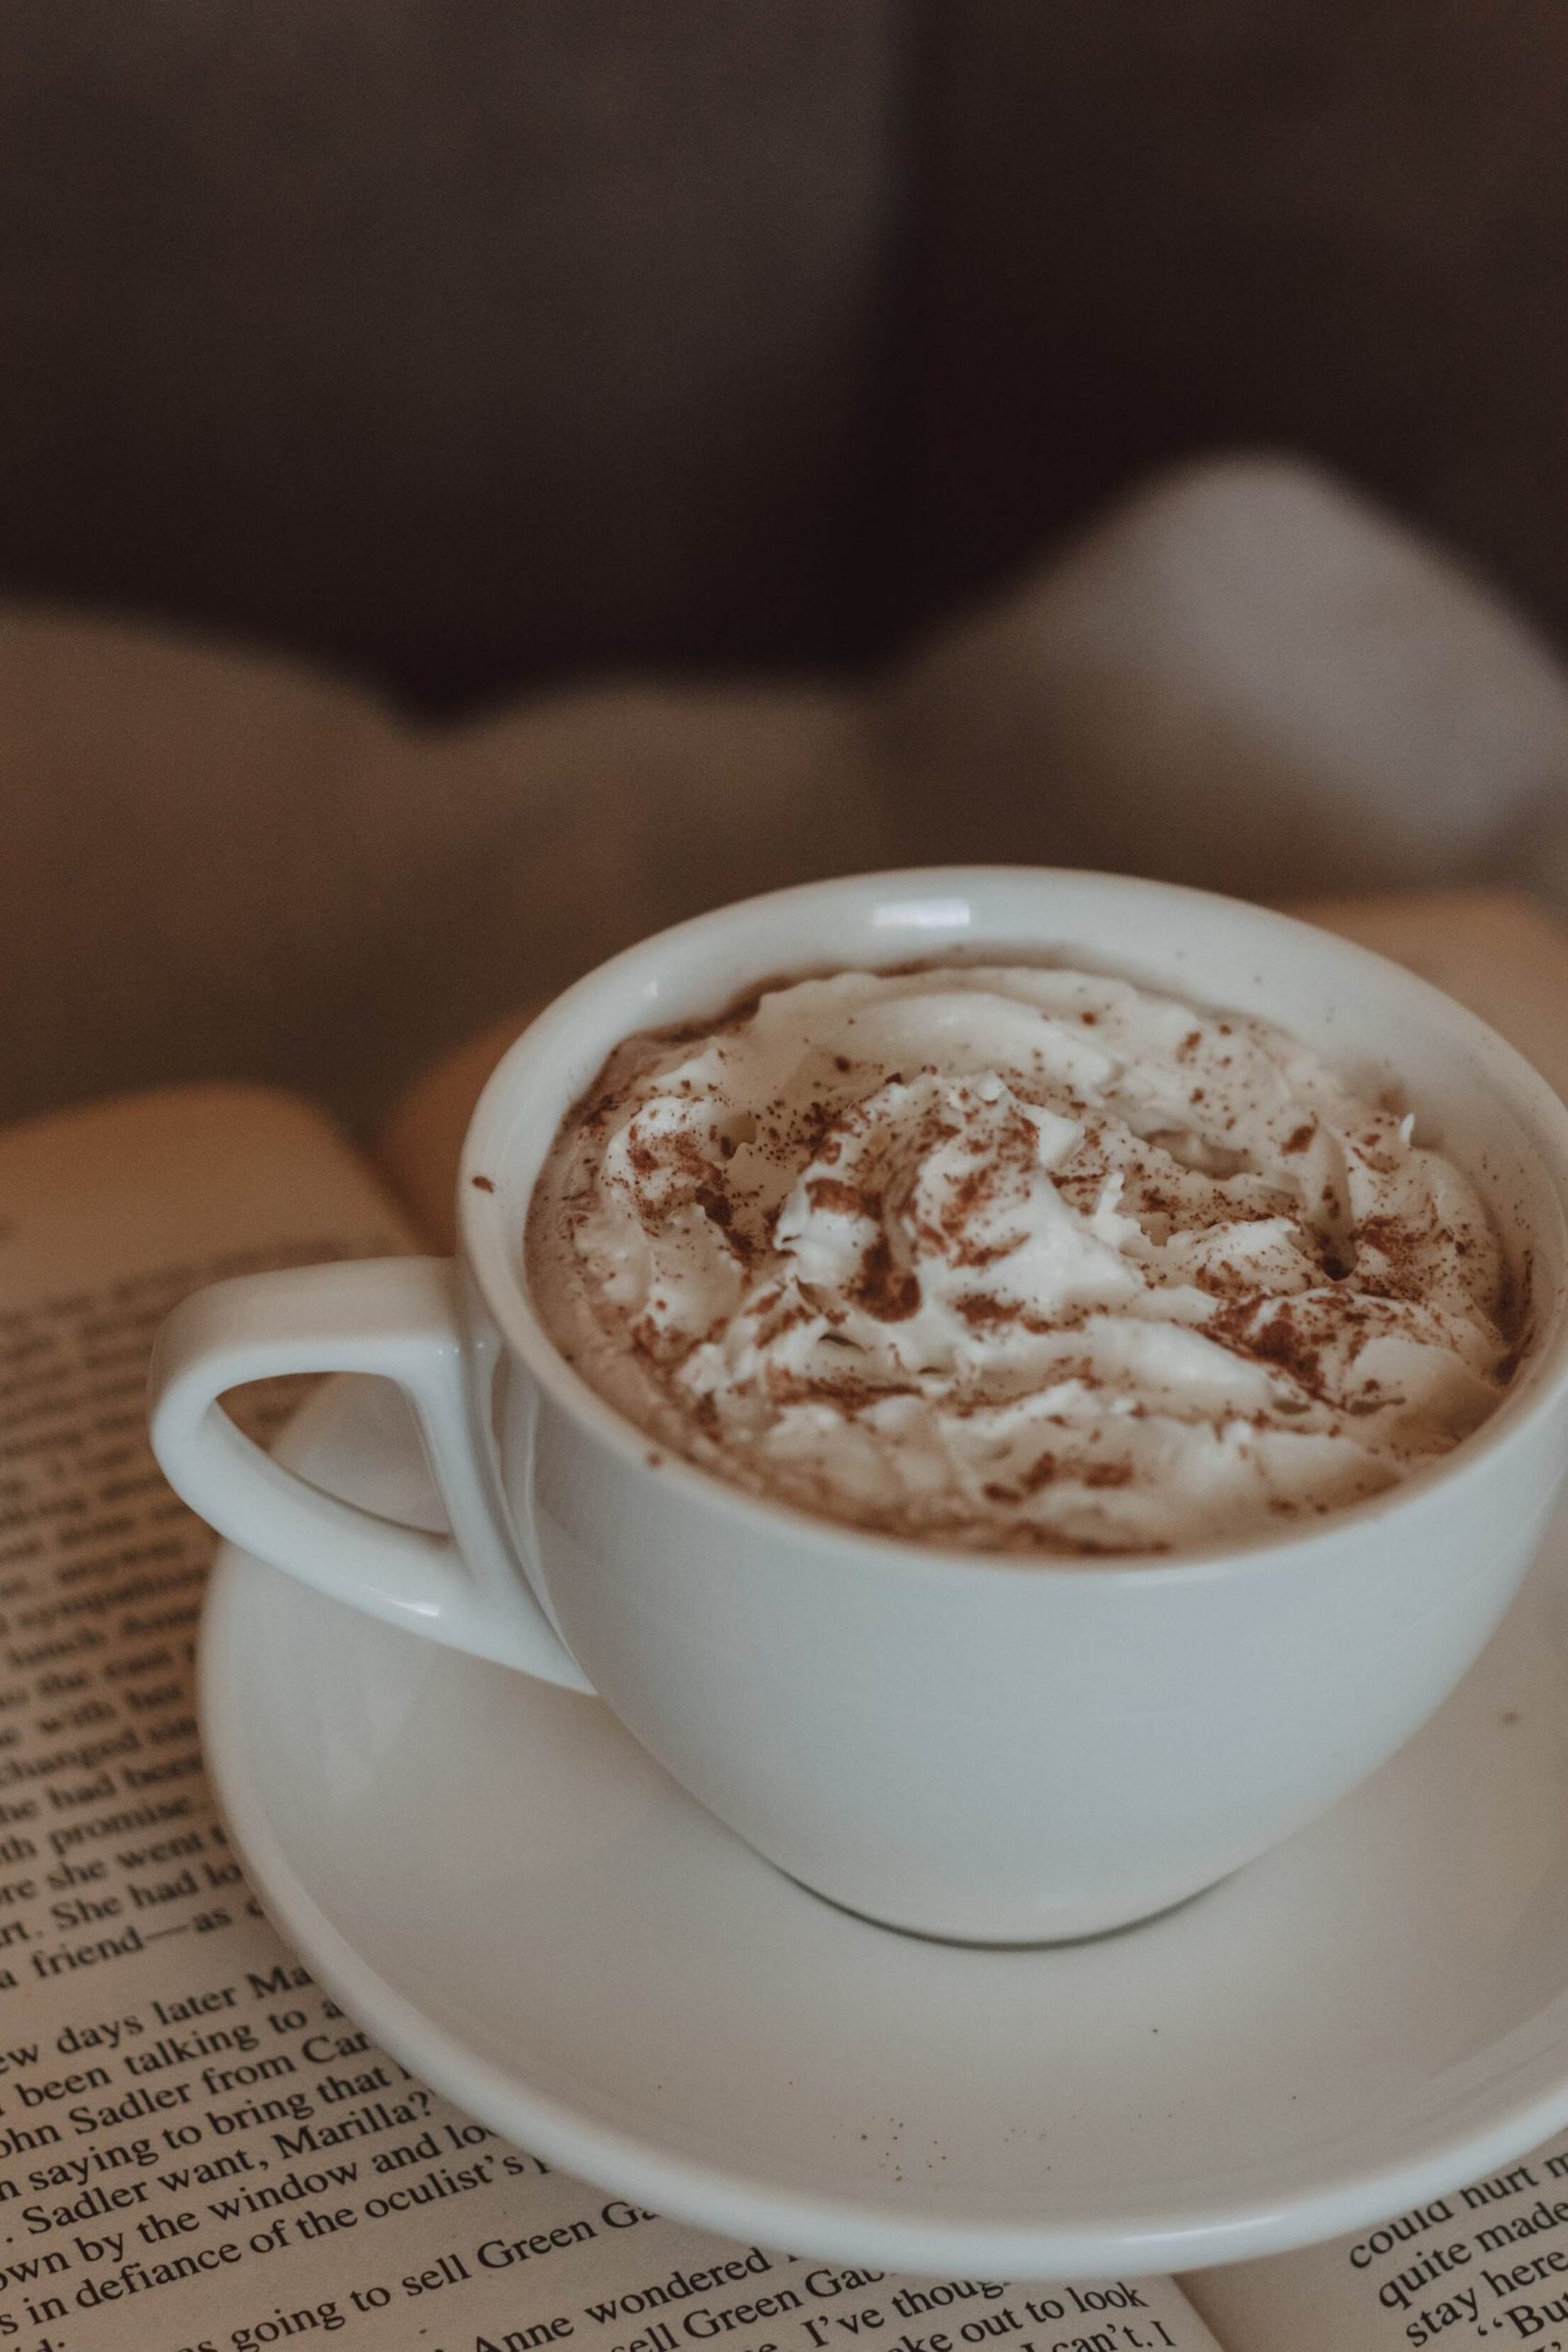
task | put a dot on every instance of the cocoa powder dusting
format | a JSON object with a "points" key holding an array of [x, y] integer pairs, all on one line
{"points": [[984, 1312], [1279, 1339], [714, 1205], [889, 1292], [1171, 1179], [828, 1192]]}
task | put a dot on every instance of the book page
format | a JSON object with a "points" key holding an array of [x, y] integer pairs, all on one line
{"points": [[160, 2049], [1486, 2264]]}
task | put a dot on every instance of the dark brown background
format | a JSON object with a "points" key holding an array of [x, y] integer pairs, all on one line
{"points": [[471, 342]]}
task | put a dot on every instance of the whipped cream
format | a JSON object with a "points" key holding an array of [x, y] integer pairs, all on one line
{"points": [[1018, 1259]]}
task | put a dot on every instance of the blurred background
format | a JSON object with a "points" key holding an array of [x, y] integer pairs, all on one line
{"points": [[380, 378]]}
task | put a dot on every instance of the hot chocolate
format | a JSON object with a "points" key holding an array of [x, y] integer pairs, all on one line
{"points": [[1018, 1259]]}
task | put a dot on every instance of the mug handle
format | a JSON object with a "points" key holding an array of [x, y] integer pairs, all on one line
{"points": [[396, 1317]]}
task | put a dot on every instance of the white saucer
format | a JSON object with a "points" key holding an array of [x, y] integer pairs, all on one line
{"points": [[529, 1913]]}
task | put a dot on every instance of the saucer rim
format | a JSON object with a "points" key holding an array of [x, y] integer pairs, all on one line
{"points": [[869, 2227]]}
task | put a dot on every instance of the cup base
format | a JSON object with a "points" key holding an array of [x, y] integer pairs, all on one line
{"points": [[1067, 1937]]}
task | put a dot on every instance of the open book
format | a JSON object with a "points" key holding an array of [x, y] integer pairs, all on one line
{"points": [[144, 2206]]}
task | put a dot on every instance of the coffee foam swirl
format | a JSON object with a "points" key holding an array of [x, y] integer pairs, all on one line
{"points": [[1018, 1259]]}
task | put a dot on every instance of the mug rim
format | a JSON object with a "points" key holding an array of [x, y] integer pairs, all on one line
{"points": [[1535, 1391]]}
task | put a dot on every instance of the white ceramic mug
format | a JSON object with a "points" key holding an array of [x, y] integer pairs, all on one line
{"points": [[995, 1749]]}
